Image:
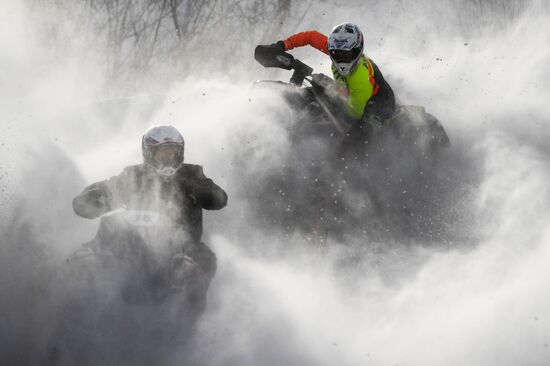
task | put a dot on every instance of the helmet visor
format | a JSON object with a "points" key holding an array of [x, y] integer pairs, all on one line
{"points": [[344, 56], [166, 155]]}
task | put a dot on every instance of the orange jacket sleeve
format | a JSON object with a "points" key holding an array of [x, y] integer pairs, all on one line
{"points": [[312, 37]]}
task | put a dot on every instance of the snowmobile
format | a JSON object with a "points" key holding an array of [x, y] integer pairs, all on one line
{"points": [[320, 191], [136, 281], [146, 252], [321, 104]]}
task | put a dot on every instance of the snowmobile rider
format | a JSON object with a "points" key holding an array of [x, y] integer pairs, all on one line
{"points": [[163, 182], [369, 96]]}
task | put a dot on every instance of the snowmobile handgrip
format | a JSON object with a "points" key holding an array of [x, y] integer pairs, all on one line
{"points": [[272, 56]]}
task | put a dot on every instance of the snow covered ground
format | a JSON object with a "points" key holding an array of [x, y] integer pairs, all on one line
{"points": [[274, 301]]}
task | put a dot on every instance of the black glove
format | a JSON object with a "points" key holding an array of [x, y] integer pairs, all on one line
{"points": [[372, 119], [99, 198], [322, 80], [93, 202], [280, 45]]}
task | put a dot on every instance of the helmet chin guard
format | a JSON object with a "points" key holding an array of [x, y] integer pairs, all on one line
{"points": [[167, 171], [345, 68]]}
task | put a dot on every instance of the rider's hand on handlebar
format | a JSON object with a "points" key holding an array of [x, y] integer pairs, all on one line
{"points": [[321, 80], [280, 45], [98, 197]]}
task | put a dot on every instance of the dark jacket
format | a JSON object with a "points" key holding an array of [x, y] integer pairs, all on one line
{"points": [[181, 196]]}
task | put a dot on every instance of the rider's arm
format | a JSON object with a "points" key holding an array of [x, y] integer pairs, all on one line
{"points": [[312, 37], [102, 197], [202, 189], [94, 201]]}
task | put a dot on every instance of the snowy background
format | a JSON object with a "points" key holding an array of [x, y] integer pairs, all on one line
{"points": [[80, 81]]}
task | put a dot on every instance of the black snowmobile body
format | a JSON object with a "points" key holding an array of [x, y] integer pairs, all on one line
{"points": [[134, 281], [149, 256], [322, 192]]}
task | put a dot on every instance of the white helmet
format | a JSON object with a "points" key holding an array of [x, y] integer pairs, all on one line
{"points": [[345, 47], [163, 148]]}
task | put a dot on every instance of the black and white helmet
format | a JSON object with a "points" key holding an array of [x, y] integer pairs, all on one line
{"points": [[163, 148], [345, 47]]}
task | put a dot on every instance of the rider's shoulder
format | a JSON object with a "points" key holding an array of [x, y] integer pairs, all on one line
{"points": [[191, 169], [134, 170]]}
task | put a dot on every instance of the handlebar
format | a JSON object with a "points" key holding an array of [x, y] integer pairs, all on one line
{"points": [[301, 70], [273, 56]]}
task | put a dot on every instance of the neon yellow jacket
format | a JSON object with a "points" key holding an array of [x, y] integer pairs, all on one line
{"points": [[361, 86]]}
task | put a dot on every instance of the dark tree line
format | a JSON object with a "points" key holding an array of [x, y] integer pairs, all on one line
{"points": [[173, 39], [176, 38]]}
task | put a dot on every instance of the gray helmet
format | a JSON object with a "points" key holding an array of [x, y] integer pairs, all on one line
{"points": [[345, 47], [163, 148]]}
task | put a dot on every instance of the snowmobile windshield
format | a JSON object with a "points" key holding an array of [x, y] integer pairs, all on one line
{"points": [[167, 155], [344, 56]]}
